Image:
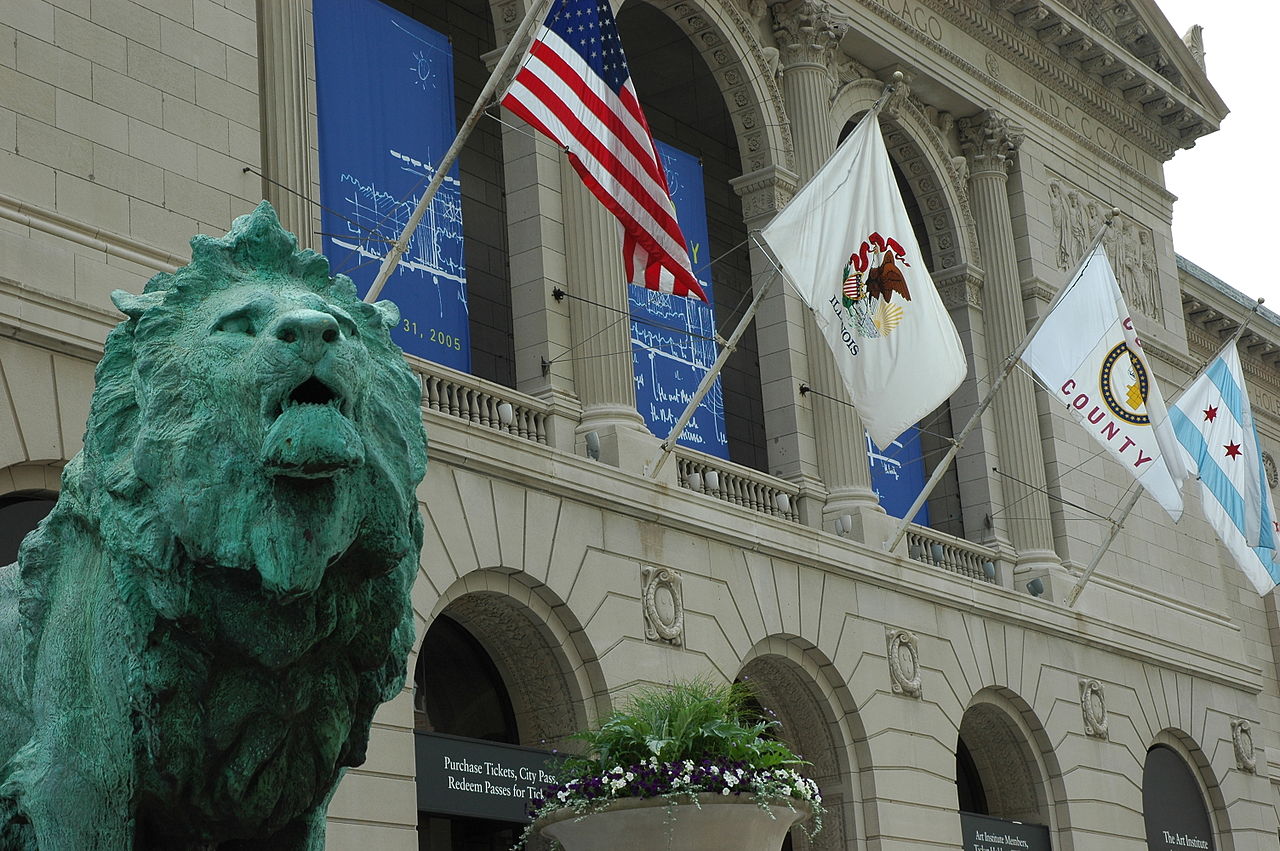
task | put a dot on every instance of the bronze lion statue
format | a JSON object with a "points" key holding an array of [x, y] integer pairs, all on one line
{"points": [[193, 643]]}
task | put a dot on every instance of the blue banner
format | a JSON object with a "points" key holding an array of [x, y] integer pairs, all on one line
{"points": [[897, 474], [384, 91], [672, 337]]}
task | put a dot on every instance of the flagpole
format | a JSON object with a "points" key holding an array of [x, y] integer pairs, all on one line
{"points": [[534, 16], [1132, 500], [655, 464], [1010, 362]]}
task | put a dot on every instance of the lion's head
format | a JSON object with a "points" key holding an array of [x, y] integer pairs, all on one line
{"points": [[255, 413]]}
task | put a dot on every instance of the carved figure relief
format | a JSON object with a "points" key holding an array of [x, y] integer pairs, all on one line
{"points": [[904, 662], [1093, 705], [1076, 217], [663, 605], [1269, 464], [1242, 741]]}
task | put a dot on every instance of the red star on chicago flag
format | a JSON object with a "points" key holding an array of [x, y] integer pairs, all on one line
{"points": [[1233, 450], [1210, 414]]}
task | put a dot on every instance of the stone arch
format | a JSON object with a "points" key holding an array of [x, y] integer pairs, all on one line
{"points": [[1182, 743], [548, 665], [936, 176], [794, 680], [728, 42], [32, 476], [1015, 759]]}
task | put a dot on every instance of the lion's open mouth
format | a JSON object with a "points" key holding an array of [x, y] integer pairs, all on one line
{"points": [[311, 436], [313, 391]]}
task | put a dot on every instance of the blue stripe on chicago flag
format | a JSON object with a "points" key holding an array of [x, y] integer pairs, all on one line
{"points": [[1217, 481], [1222, 378]]}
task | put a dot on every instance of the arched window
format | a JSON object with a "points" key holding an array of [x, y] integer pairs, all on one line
{"points": [[20, 513]]}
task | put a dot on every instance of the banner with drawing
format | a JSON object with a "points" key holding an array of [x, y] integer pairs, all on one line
{"points": [[673, 338], [898, 474], [384, 91]]}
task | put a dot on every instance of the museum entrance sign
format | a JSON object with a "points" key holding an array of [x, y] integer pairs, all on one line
{"points": [[469, 777], [985, 833], [1172, 805]]}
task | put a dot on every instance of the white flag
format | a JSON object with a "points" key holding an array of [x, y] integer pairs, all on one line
{"points": [[846, 244], [1089, 357], [1214, 422]]}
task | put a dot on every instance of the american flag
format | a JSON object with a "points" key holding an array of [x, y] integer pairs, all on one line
{"points": [[575, 87]]}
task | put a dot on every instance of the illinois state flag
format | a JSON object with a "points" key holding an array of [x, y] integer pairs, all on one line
{"points": [[1091, 361], [1214, 422], [847, 246]]}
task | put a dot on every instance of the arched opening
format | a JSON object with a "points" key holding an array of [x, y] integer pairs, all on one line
{"points": [[20, 513], [787, 692], [997, 771], [1173, 802], [458, 691], [494, 684], [686, 110]]}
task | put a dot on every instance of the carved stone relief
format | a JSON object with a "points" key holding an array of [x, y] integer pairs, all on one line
{"points": [[1242, 740], [663, 605], [1269, 464], [1093, 705], [904, 662], [1076, 217]]}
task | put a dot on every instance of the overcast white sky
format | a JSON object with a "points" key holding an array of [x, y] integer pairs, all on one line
{"points": [[1227, 185]]}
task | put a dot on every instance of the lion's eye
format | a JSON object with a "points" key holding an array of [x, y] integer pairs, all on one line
{"points": [[235, 323]]}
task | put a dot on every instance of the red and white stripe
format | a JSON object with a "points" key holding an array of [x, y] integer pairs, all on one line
{"points": [[610, 146]]}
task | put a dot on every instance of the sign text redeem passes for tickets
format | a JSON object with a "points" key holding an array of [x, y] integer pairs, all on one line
{"points": [[493, 778], [468, 777]]}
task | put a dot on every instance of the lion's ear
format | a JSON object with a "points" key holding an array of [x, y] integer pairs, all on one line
{"points": [[132, 305], [390, 313]]}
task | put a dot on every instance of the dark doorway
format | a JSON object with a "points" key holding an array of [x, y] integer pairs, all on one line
{"points": [[20, 513]]}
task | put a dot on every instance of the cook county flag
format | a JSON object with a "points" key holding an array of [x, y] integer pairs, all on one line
{"points": [[1214, 422], [846, 244], [1089, 357]]}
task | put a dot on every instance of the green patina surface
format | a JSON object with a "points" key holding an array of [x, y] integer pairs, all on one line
{"points": [[193, 643]]}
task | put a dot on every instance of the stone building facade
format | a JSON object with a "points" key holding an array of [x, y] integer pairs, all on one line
{"points": [[919, 682]]}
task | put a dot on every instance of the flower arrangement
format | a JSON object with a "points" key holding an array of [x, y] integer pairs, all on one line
{"points": [[677, 742]]}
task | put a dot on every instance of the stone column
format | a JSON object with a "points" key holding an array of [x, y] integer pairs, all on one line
{"points": [[283, 26], [990, 141], [808, 32], [600, 315]]}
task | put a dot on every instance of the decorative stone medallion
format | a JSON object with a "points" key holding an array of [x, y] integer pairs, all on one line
{"points": [[663, 605], [1269, 464], [904, 662], [1242, 740], [1093, 705]]}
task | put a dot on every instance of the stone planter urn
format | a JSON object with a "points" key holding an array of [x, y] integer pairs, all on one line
{"points": [[715, 823]]}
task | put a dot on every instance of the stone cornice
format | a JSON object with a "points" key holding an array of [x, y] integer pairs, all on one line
{"points": [[1001, 93], [1088, 67]]}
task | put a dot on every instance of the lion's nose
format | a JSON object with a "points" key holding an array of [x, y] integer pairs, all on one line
{"points": [[310, 330]]}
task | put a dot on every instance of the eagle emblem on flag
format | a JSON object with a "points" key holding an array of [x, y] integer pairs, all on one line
{"points": [[870, 281]]}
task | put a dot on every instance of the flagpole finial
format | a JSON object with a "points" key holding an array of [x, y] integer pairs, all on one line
{"points": [[1112, 213]]}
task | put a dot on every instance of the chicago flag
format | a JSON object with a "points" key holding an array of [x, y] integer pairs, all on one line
{"points": [[846, 244], [1091, 361], [1214, 422]]}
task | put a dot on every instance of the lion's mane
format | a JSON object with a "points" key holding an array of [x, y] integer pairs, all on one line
{"points": [[243, 702]]}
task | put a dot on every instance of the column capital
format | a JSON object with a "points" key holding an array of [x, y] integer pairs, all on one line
{"points": [[764, 192], [989, 141], [807, 32]]}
